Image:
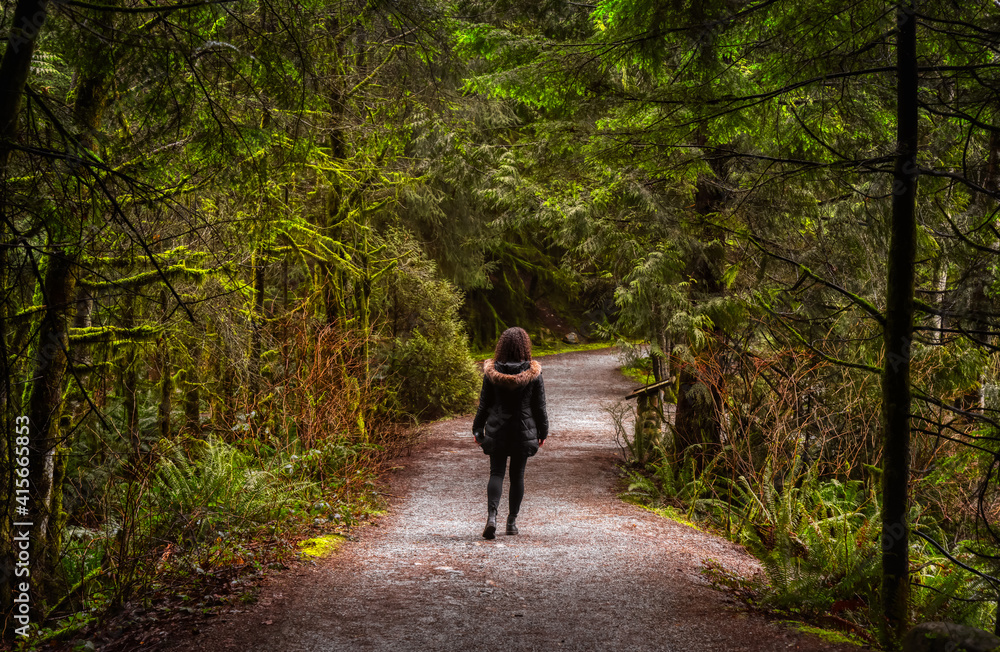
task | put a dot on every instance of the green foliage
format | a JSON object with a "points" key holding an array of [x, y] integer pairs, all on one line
{"points": [[252, 198], [943, 590], [327, 465], [817, 537], [428, 355], [661, 483], [639, 369], [817, 540], [437, 375], [197, 502], [687, 484], [216, 491], [953, 369]]}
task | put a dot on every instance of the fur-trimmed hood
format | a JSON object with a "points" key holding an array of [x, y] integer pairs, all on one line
{"points": [[512, 381]]}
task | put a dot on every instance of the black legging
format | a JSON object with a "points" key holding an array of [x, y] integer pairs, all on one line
{"points": [[498, 466]]}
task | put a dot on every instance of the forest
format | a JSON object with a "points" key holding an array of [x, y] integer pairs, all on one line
{"points": [[246, 246]]}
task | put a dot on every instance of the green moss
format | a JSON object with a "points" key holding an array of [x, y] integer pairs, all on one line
{"points": [[321, 546], [113, 334], [640, 376], [829, 635], [562, 347], [62, 630], [671, 513], [27, 312], [170, 273], [674, 515]]}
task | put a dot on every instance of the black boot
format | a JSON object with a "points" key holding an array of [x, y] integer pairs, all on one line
{"points": [[511, 528], [491, 526]]}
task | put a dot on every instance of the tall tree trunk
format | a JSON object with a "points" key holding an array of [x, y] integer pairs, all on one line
{"points": [[192, 392], [362, 297], [130, 382], [45, 403], [6, 455], [284, 284], [25, 24], [257, 326], [81, 356], [696, 419], [992, 183], [330, 277], [940, 286], [29, 16], [166, 377], [896, 398]]}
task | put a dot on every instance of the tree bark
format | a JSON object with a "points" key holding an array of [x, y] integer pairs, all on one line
{"points": [[27, 21], [257, 327], [333, 279], [696, 419], [130, 382], [362, 298], [940, 286], [192, 392], [6, 456], [45, 403], [166, 377], [896, 397], [29, 16]]}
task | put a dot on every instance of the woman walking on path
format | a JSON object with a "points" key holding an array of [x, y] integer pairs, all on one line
{"points": [[511, 421]]}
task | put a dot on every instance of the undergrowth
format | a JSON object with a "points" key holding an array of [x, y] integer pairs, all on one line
{"points": [[202, 526], [166, 526], [817, 536]]}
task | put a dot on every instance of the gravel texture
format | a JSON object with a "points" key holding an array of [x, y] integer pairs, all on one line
{"points": [[587, 571]]}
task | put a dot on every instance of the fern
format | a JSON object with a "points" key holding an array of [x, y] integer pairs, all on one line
{"points": [[945, 591], [216, 494], [816, 540]]}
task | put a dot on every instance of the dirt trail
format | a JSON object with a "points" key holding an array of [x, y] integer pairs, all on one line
{"points": [[587, 572]]}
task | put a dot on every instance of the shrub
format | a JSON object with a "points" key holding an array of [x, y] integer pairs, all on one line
{"points": [[428, 353]]}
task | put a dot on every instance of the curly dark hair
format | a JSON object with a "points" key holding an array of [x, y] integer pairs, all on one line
{"points": [[514, 345]]}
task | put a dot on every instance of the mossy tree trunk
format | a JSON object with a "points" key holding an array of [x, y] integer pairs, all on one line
{"points": [[51, 359], [192, 391], [44, 410], [28, 18], [258, 319], [166, 381], [6, 450], [363, 294], [130, 381]]}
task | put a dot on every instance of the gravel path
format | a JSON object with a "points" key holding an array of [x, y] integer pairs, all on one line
{"points": [[587, 572]]}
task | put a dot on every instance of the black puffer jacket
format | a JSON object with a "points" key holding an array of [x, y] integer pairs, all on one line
{"points": [[511, 417]]}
